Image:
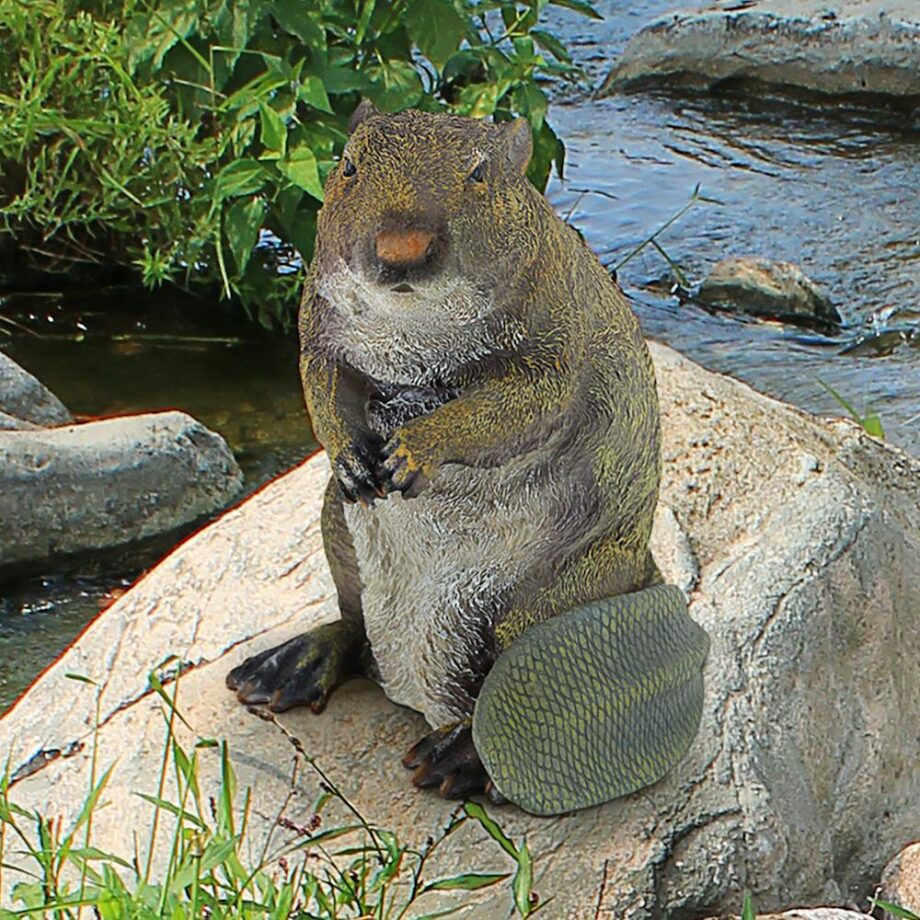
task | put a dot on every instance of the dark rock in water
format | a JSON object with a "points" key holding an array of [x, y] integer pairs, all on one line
{"points": [[882, 343], [105, 483], [760, 287], [24, 397]]}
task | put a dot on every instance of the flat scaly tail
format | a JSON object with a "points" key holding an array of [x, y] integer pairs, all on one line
{"points": [[594, 703]]}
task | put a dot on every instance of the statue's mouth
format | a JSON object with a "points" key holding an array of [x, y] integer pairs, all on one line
{"points": [[403, 289]]}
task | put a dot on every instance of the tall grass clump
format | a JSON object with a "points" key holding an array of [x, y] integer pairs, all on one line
{"points": [[325, 867], [189, 140]]}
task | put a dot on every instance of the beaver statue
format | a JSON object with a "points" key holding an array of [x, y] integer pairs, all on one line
{"points": [[488, 405]]}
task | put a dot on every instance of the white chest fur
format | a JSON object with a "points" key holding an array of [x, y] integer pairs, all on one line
{"points": [[434, 570]]}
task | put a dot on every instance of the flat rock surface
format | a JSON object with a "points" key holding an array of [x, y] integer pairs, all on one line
{"points": [[798, 539], [104, 483], [24, 397], [827, 46]]}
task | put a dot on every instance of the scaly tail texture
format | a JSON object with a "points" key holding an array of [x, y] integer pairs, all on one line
{"points": [[594, 703]]}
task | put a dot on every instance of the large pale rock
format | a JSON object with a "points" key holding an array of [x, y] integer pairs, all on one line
{"points": [[104, 483], [828, 46], [24, 397], [805, 536]]}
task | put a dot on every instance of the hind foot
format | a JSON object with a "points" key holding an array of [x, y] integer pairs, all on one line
{"points": [[302, 672], [447, 758]]}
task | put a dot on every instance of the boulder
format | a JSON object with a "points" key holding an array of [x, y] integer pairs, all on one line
{"points": [[900, 882], [761, 287], [827, 46], [24, 397], [803, 538], [104, 483]]}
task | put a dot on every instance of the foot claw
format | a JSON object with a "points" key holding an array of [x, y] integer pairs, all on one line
{"points": [[447, 758], [250, 695]]}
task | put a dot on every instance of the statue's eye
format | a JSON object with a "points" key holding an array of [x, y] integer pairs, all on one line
{"points": [[350, 168], [478, 174]]}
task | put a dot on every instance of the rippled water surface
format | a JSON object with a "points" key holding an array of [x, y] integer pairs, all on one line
{"points": [[834, 189]]}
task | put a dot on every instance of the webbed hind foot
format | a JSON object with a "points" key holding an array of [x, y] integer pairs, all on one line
{"points": [[302, 671], [447, 758]]}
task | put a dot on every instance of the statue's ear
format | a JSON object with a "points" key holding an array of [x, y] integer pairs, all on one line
{"points": [[365, 109], [517, 143]]}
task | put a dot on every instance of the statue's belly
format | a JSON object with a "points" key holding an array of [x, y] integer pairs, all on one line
{"points": [[434, 571]]}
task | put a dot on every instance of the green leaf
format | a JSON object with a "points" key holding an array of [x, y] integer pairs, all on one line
{"points": [[242, 223], [747, 906], [172, 809], [294, 16], [523, 881], [241, 177], [872, 424], [478, 813], [94, 853], [395, 85], [470, 881], [547, 149], [895, 910], [217, 852], [312, 91], [91, 801], [531, 101], [274, 133], [480, 99], [579, 6], [81, 678], [550, 43], [227, 796], [367, 11], [300, 167], [436, 28]]}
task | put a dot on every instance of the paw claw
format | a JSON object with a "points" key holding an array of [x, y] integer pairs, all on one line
{"points": [[400, 469], [356, 472]]}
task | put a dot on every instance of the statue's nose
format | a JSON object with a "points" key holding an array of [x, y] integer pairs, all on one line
{"points": [[403, 248]]}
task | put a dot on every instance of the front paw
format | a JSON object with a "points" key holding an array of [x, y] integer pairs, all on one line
{"points": [[408, 463], [303, 671], [356, 468]]}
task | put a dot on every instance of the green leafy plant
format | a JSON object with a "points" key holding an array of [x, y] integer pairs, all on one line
{"points": [[325, 869], [870, 422], [189, 140]]}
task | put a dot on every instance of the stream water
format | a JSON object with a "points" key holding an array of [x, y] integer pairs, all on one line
{"points": [[833, 188]]}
